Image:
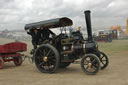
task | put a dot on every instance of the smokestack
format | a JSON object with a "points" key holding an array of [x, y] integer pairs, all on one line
{"points": [[88, 23]]}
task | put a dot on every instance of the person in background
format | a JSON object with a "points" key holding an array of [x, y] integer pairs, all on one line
{"points": [[81, 35]]}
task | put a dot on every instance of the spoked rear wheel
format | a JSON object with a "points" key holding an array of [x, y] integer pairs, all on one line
{"points": [[104, 60], [90, 64], [1, 62], [46, 58]]}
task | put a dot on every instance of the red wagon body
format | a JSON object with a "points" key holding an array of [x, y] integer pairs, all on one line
{"points": [[12, 52], [13, 47]]}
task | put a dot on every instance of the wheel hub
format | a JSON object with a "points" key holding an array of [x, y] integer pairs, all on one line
{"points": [[89, 65], [45, 58]]}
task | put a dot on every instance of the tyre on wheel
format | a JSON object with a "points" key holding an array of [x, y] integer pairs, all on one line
{"points": [[104, 60], [1, 62], [46, 58], [90, 64], [17, 60]]}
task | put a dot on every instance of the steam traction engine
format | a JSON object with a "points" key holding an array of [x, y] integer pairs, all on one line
{"points": [[62, 50]]}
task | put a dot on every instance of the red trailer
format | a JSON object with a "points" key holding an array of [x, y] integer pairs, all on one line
{"points": [[12, 52]]}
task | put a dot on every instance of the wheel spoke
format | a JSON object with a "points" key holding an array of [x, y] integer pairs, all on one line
{"points": [[52, 63], [85, 63], [95, 65], [94, 68], [87, 67], [49, 52], [93, 61], [102, 63], [51, 57], [53, 60], [102, 57], [46, 67], [104, 60], [43, 51], [40, 53], [41, 64]]}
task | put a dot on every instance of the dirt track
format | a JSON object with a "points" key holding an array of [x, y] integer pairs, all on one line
{"points": [[27, 74]]}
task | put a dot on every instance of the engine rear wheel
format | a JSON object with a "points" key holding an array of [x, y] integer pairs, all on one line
{"points": [[1, 62], [90, 64], [46, 58]]}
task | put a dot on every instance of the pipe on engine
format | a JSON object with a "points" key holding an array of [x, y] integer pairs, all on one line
{"points": [[88, 24]]}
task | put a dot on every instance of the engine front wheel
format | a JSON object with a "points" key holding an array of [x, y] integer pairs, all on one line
{"points": [[46, 58], [90, 64], [104, 60]]}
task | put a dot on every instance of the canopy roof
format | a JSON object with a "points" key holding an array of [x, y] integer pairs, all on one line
{"points": [[52, 23]]}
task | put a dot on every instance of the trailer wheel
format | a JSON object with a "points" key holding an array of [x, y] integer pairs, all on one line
{"points": [[1, 62], [46, 58], [104, 60], [17, 60], [90, 64], [64, 64]]}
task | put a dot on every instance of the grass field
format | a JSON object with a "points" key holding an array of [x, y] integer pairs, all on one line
{"points": [[117, 46]]}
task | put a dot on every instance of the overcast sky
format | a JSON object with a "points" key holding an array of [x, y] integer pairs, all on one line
{"points": [[14, 14]]}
